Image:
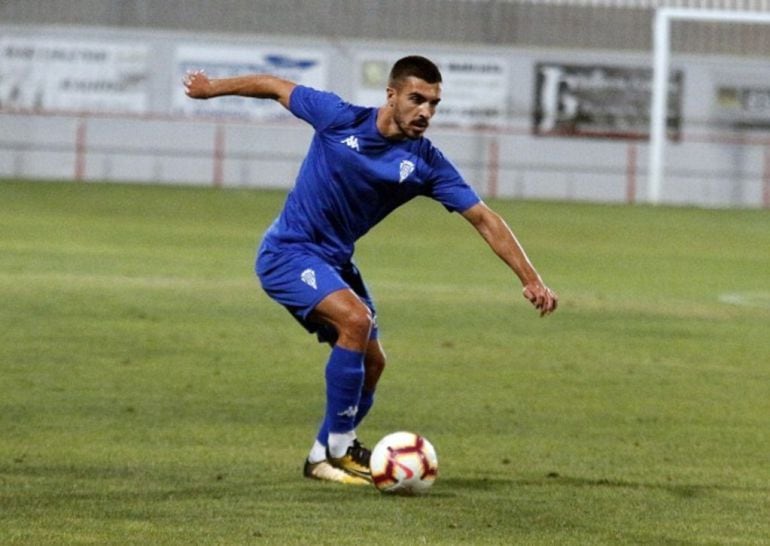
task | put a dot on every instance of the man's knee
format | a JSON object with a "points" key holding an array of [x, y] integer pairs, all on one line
{"points": [[349, 316], [358, 323]]}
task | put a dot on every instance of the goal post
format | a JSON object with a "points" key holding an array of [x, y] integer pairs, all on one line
{"points": [[661, 74]]}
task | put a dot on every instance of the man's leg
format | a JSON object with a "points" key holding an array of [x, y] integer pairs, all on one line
{"points": [[340, 304], [374, 356], [345, 378], [374, 363]]}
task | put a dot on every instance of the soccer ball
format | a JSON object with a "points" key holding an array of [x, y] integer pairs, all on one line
{"points": [[403, 463]]}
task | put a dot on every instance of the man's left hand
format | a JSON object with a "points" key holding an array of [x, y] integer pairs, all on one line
{"points": [[541, 297]]}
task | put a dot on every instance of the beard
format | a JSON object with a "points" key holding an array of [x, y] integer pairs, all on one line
{"points": [[414, 129]]}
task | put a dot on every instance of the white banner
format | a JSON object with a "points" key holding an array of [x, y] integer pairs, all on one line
{"points": [[44, 74], [474, 91], [743, 106], [302, 66]]}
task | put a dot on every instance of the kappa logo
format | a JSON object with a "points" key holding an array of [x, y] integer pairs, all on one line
{"points": [[308, 277], [351, 412], [351, 142], [404, 170]]}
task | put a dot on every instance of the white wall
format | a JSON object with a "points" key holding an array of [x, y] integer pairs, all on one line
{"points": [[703, 169]]}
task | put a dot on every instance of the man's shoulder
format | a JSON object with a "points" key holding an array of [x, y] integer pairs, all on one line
{"points": [[308, 102]]}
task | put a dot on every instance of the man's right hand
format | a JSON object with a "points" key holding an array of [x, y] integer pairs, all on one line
{"points": [[197, 84]]}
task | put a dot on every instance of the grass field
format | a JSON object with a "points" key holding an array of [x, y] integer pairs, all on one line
{"points": [[151, 394]]}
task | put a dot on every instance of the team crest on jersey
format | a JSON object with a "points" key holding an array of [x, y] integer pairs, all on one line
{"points": [[404, 170]]}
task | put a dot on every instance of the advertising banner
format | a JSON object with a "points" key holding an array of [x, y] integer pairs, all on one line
{"points": [[300, 65], [83, 76], [474, 91], [743, 106], [600, 101]]}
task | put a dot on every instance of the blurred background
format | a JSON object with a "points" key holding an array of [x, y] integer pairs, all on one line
{"points": [[542, 100]]}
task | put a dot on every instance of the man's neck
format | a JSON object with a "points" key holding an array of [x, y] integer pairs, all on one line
{"points": [[386, 125]]}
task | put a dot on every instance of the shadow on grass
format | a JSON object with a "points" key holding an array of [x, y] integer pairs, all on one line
{"points": [[56, 482], [554, 479], [49, 485]]}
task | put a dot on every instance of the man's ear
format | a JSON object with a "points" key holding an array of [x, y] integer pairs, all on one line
{"points": [[390, 94]]}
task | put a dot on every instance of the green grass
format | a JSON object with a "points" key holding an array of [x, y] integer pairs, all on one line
{"points": [[150, 393]]}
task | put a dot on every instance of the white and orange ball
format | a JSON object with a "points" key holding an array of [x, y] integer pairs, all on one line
{"points": [[403, 463]]}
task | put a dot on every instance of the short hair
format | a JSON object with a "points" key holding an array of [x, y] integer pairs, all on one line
{"points": [[414, 65]]}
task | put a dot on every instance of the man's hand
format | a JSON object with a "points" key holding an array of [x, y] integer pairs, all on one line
{"points": [[543, 299], [197, 84]]}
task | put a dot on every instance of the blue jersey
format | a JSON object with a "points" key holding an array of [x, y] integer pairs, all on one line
{"points": [[353, 177]]}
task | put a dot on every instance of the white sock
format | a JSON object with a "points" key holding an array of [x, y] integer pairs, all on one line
{"points": [[340, 442], [317, 453]]}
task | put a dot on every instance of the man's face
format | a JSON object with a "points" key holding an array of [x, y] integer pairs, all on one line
{"points": [[414, 104]]}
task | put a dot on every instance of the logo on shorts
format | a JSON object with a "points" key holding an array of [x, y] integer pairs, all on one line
{"points": [[308, 277], [404, 170]]}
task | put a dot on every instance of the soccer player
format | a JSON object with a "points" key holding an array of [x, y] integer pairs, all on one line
{"points": [[361, 165]]}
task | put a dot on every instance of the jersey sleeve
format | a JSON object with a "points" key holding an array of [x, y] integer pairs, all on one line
{"points": [[319, 108], [448, 187]]}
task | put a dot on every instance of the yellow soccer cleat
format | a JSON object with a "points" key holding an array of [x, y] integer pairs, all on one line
{"points": [[355, 461], [325, 472]]}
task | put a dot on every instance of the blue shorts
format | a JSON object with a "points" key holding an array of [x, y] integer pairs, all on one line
{"points": [[299, 280]]}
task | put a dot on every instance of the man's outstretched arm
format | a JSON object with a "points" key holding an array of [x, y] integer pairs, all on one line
{"points": [[499, 236], [198, 85]]}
